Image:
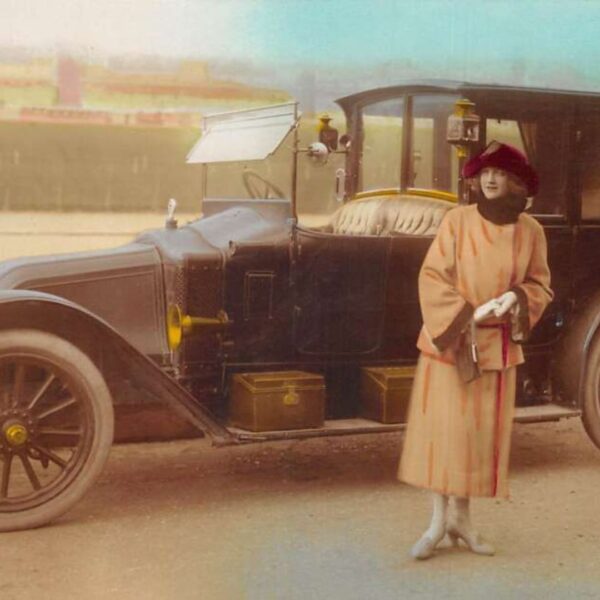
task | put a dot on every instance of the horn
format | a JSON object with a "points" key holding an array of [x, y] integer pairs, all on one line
{"points": [[179, 324]]}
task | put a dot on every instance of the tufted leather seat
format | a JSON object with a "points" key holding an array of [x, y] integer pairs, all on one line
{"points": [[396, 214]]}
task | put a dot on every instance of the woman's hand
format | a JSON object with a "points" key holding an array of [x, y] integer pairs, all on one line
{"points": [[505, 303], [496, 306], [486, 310]]}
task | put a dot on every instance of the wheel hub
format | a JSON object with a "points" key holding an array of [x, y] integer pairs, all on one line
{"points": [[15, 433]]}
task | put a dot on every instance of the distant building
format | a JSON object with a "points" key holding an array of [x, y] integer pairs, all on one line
{"points": [[63, 89], [107, 136], [68, 82], [27, 83]]}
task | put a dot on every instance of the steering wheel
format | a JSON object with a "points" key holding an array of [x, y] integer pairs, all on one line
{"points": [[253, 182]]}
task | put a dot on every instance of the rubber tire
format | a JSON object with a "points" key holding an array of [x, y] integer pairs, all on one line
{"points": [[89, 380], [591, 394]]}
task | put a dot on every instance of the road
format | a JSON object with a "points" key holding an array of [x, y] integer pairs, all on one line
{"points": [[315, 519]]}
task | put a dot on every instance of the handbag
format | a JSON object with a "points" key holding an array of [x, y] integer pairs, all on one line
{"points": [[467, 358]]}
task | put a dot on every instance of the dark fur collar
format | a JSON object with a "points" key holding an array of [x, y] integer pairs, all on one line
{"points": [[502, 210]]}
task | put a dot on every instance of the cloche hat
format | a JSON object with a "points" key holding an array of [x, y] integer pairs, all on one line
{"points": [[507, 158]]}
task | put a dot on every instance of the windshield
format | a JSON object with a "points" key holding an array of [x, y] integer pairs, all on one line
{"points": [[245, 180], [272, 177], [432, 164], [377, 158]]}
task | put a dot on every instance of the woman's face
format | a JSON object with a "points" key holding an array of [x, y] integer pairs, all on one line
{"points": [[494, 183]]}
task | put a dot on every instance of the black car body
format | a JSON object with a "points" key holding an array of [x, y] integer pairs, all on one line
{"points": [[322, 281]]}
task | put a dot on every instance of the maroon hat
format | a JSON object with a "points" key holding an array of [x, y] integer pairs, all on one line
{"points": [[507, 158]]}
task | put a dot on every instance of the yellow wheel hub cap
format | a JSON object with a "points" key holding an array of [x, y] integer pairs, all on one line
{"points": [[16, 435]]}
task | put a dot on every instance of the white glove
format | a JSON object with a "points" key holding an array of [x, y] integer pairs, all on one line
{"points": [[505, 303], [485, 310]]}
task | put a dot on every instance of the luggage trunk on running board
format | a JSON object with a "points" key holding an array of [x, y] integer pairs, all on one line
{"points": [[273, 401], [385, 393]]}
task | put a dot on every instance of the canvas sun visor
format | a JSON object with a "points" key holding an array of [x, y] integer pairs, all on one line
{"points": [[250, 134]]}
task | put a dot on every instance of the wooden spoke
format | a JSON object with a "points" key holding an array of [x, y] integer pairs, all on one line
{"points": [[5, 398], [51, 411], [18, 384], [5, 475], [58, 431], [51, 456], [43, 388], [4, 389], [35, 482]]}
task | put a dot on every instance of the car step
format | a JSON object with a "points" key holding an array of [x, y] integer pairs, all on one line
{"points": [[523, 414], [544, 412]]}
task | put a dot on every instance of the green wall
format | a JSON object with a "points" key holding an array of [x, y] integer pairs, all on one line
{"points": [[91, 168]]}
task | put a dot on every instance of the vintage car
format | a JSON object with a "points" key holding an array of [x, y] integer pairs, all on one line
{"points": [[300, 275]]}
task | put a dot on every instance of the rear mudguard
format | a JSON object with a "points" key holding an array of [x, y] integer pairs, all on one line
{"points": [[571, 355], [27, 309]]}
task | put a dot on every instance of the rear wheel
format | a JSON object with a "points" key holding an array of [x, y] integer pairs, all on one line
{"points": [[56, 427], [591, 399]]}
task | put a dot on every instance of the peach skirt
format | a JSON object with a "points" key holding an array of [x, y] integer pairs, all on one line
{"points": [[457, 440]]}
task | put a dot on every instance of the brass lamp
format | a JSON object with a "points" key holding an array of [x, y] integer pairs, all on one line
{"points": [[463, 127], [179, 324]]}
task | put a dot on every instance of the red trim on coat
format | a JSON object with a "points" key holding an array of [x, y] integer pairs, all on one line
{"points": [[499, 399], [496, 461]]}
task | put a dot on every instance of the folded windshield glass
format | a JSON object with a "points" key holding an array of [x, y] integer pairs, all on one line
{"points": [[244, 135]]}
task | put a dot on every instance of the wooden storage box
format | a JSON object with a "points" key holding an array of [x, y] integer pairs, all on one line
{"points": [[385, 393], [277, 400]]}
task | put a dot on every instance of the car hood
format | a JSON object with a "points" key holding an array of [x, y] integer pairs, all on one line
{"points": [[36, 272]]}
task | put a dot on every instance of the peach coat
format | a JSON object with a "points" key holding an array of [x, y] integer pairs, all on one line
{"points": [[457, 439]]}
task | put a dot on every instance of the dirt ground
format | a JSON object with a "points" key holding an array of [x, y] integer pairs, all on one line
{"points": [[314, 519]]}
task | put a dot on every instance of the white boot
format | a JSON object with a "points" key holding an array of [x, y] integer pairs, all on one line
{"points": [[460, 527], [426, 544]]}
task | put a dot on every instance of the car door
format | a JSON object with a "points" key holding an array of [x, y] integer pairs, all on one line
{"points": [[339, 293], [585, 268]]}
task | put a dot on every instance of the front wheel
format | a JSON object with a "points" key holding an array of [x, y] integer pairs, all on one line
{"points": [[56, 427]]}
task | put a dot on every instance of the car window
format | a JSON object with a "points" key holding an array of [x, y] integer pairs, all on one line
{"points": [[506, 131], [382, 144], [590, 170], [542, 138], [434, 161]]}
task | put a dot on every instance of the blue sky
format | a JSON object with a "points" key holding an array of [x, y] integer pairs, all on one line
{"points": [[536, 40], [456, 38], [431, 29]]}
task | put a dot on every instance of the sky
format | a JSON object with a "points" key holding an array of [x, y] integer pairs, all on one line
{"points": [[536, 40]]}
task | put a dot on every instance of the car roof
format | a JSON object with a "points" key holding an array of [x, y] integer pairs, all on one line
{"points": [[475, 91]]}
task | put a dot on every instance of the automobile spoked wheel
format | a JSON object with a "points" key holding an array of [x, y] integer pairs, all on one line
{"points": [[591, 398], [56, 427]]}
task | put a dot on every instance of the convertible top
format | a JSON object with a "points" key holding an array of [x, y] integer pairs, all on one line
{"points": [[472, 90]]}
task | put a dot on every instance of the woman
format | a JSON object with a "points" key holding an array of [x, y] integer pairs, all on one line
{"points": [[488, 266]]}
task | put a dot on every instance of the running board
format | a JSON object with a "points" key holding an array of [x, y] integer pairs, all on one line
{"points": [[523, 414], [544, 412], [330, 427]]}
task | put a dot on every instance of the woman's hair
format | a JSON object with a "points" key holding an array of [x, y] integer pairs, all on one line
{"points": [[515, 185]]}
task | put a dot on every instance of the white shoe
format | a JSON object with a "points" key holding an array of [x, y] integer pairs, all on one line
{"points": [[471, 538], [425, 546]]}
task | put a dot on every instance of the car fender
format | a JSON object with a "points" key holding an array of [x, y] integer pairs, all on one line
{"points": [[110, 351], [571, 354]]}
